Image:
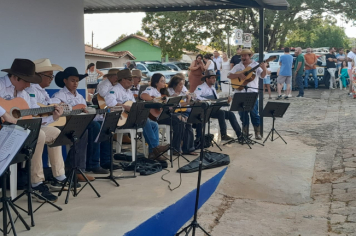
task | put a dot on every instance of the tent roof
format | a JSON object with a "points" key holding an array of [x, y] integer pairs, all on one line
{"points": [[106, 6]]}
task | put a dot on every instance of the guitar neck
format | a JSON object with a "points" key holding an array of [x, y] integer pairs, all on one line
{"points": [[35, 111], [73, 112]]}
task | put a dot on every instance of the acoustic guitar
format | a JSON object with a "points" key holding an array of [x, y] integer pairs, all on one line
{"points": [[249, 72], [155, 113]]}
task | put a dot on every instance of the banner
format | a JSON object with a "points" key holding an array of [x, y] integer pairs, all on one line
{"points": [[238, 37], [247, 42]]}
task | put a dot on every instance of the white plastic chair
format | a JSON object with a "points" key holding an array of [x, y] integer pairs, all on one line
{"points": [[120, 133], [165, 135]]}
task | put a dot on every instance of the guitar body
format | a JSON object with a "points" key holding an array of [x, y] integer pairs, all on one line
{"points": [[239, 84], [11, 106], [101, 101], [124, 114], [155, 113], [183, 109]]}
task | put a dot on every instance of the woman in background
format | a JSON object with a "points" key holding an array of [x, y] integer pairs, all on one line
{"points": [[196, 72], [92, 79], [343, 75], [225, 68]]}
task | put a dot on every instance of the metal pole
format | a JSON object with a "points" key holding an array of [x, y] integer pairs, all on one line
{"points": [[260, 51]]}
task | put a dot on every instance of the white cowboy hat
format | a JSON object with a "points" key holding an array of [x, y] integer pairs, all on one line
{"points": [[45, 64]]}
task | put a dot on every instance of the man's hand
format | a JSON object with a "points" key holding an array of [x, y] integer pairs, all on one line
{"points": [[241, 76], [8, 118], [263, 66], [229, 99], [58, 111]]}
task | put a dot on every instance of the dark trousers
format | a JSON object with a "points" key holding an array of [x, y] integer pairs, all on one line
{"points": [[222, 115], [178, 131], [299, 80], [255, 117], [188, 139]]}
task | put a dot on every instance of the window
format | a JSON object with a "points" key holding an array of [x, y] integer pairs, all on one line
{"points": [[157, 67], [141, 67], [183, 66], [173, 67]]}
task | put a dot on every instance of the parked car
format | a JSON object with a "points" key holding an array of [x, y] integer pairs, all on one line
{"points": [[150, 67], [180, 67]]}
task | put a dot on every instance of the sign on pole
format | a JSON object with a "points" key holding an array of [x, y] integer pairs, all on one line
{"points": [[238, 37], [247, 40]]}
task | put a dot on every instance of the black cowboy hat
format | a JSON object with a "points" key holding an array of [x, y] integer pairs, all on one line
{"points": [[207, 74], [25, 70], [69, 71]]}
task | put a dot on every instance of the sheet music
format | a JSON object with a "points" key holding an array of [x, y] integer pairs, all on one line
{"points": [[11, 139]]}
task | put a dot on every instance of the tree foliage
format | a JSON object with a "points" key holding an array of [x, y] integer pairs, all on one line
{"points": [[176, 31]]}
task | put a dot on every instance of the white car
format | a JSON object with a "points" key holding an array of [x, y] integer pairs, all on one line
{"points": [[150, 68], [180, 67]]}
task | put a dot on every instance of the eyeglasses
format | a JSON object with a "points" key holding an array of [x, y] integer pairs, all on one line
{"points": [[129, 79], [48, 76]]}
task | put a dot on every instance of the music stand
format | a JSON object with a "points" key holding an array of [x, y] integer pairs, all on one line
{"points": [[213, 111], [70, 134], [199, 114], [107, 133], [25, 154], [6, 201], [136, 119], [244, 102], [274, 109]]}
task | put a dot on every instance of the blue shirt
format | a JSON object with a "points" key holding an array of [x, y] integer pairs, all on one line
{"points": [[286, 68]]}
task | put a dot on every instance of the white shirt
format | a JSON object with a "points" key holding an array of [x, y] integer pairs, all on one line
{"points": [[64, 95], [212, 65], [118, 94], [7, 90], [135, 90], [204, 90], [182, 93], [40, 95], [218, 62], [254, 83], [153, 92], [104, 87], [2, 111], [350, 55]]}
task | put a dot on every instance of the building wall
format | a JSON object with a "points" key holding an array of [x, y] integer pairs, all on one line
{"points": [[141, 50], [115, 62], [43, 29]]}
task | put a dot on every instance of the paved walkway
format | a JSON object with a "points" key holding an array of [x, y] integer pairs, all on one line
{"points": [[322, 123]]}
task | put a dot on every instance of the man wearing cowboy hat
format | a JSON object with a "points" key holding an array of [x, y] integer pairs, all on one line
{"points": [[19, 77], [207, 91], [98, 155], [136, 79], [107, 84], [120, 94], [252, 86]]}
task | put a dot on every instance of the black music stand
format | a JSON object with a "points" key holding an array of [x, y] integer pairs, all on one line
{"points": [[274, 109], [199, 114], [244, 102], [107, 133], [70, 134], [6, 201], [25, 154], [136, 119], [167, 113]]}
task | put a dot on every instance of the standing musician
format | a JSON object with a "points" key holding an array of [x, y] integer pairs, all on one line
{"points": [[158, 85], [98, 155], [19, 77], [176, 88], [120, 94], [207, 91], [252, 86], [136, 78]]}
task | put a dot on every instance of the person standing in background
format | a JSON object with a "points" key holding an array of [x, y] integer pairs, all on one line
{"points": [[331, 67], [340, 58], [310, 62], [218, 62], [236, 59], [92, 79], [298, 70], [196, 71], [225, 68], [285, 73], [350, 57]]}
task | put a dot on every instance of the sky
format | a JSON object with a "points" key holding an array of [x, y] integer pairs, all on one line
{"points": [[109, 26]]}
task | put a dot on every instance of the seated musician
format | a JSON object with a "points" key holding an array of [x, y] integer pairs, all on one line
{"points": [[158, 85], [136, 79], [207, 91], [98, 155], [19, 77], [38, 94], [176, 88], [105, 86], [120, 94]]}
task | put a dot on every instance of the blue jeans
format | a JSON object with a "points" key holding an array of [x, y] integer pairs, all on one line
{"points": [[307, 73], [150, 132], [97, 153], [299, 79], [255, 117], [218, 82]]}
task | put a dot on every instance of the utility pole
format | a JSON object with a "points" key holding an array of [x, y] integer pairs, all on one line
{"points": [[92, 41]]}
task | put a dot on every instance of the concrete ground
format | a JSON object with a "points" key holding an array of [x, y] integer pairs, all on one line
{"points": [[303, 188]]}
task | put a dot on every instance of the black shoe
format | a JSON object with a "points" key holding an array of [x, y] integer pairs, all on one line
{"points": [[279, 97], [114, 166], [56, 185], [99, 170], [300, 96], [44, 192], [286, 97], [226, 137]]}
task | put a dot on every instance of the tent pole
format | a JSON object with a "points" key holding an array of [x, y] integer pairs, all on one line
{"points": [[260, 51]]}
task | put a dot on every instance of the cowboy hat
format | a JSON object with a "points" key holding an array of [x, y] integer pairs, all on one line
{"points": [[112, 72], [45, 64], [208, 73], [25, 70], [69, 71], [122, 74], [136, 73], [246, 51]]}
